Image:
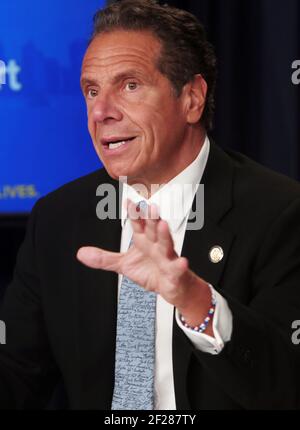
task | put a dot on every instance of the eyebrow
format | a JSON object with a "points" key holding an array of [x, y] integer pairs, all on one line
{"points": [[126, 74], [119, 77], [87, 81]]}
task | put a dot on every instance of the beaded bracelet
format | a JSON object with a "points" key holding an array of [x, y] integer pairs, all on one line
{"points": [[202, 327]]}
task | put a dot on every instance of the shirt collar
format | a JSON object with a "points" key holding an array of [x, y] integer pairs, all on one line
{"points": [[175, 198]]}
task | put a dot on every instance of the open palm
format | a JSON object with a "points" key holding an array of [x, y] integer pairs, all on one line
{"points": [[150, 261]]}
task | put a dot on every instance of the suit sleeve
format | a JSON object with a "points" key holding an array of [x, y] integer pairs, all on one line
{"points": [[28, 372], [259, 367]]}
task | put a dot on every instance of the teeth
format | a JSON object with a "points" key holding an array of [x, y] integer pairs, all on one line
{"points": [[116, 145]]}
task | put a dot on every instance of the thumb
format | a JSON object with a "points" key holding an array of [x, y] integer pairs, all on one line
{"points": [[97, 258]]}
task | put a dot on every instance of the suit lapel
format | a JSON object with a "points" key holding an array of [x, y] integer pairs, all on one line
{"points": [[218, 180]]}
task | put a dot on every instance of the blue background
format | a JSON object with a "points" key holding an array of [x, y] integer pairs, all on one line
{"points": [[44, 141]]}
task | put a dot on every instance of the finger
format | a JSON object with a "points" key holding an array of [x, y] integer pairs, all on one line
{"points": [[165, 241], [151, 223], [97, 258], [135, 216], [133, 210]]}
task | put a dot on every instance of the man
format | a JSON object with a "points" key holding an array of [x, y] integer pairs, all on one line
{"points": [[160, 315]]}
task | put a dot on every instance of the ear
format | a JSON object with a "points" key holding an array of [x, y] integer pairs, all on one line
{"points": [[195, 99]]}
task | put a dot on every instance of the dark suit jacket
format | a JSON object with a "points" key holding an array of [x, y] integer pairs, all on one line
{"points": [[61, 315]]}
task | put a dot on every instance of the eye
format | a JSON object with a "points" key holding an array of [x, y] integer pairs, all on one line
{"points": [[131, 86], [91, 93]]}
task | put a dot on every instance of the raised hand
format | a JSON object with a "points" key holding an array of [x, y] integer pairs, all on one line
{"points": [[152, 262]]}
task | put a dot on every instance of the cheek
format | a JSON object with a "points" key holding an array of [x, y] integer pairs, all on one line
{"points": [[152, 118], [91, 126], [166, 113], [163, 123]]}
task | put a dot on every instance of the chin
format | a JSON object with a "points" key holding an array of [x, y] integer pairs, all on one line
{"points": [[118, 168], [114, 172]]}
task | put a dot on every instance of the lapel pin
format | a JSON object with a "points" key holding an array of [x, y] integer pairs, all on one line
{"points": [[216, 254]]}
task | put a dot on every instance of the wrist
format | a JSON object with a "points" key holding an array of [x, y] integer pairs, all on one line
{"points": [[206, 324], [196, 300]]}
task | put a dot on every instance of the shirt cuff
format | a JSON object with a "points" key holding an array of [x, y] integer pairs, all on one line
{"points": [[222, 328]]}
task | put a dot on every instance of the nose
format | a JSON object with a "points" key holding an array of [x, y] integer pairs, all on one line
{"points": [[105, 109]]}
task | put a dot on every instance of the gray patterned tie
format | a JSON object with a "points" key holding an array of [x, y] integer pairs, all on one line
{"points": [[135, 348]]}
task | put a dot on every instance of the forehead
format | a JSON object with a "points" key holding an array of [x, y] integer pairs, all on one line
{"points": [[120, 47]]}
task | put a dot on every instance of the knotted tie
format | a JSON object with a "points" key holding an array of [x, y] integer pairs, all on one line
{"points": [[135, 347]]}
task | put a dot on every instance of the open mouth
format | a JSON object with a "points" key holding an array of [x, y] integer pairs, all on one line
{"points": [[117, 143]]}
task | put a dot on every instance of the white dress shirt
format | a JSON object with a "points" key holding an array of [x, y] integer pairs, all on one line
{"points": [[169, 200]]}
